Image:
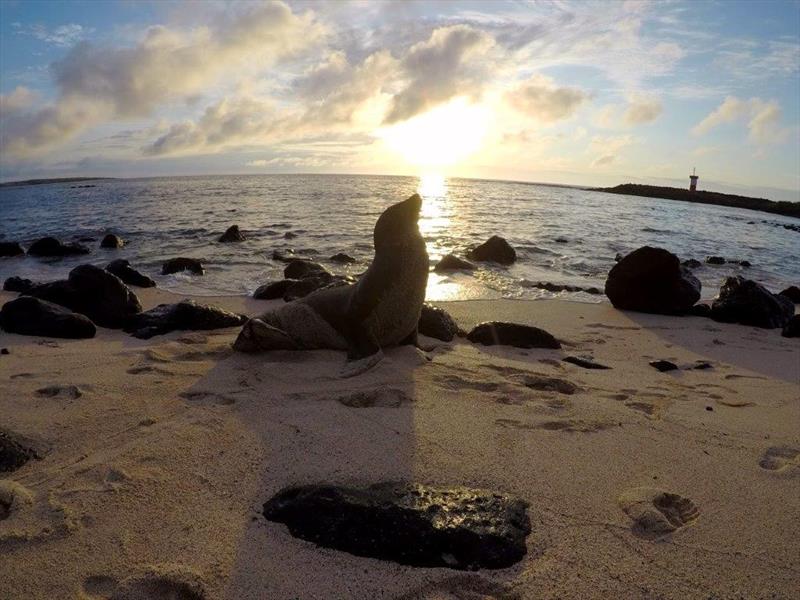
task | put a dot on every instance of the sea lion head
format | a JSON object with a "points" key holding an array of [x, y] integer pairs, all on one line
{"points": [[397, 226]]}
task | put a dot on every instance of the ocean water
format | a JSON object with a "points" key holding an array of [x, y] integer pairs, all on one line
{"points": [[562, 235]]}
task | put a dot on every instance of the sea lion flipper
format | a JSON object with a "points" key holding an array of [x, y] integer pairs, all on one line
{"points": [[258, 336], [361, 365]]}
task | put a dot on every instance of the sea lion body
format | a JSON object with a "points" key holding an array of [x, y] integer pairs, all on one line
{"points": [[381, 310]]}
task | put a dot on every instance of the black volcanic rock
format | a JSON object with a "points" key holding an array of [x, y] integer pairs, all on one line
{"points": [[176, 265], [792, 328], [692, 263], [557, 287], [792, 293], [30, 316], [511, 334], [652, 280], [112, 242], [93, 292], [18, 284], [495, 249], [451, 262], [11, 249], [342, 258], [232, 234], [287, 256], [271, 291], [746, 302], [437, 323], [16, 450], [584, 362], [407, 523], [699, 310], [300, 269], [185, 315], [663, 365], [715, 260], [123, 269], [50, 246]]}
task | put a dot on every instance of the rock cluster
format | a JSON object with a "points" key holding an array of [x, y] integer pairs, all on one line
{"points": [[50, 246], [746, 302]]}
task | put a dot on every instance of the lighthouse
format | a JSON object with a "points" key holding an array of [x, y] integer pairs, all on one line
{"points": [[693, 180]]}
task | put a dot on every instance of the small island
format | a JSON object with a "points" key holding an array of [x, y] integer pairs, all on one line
{"points": [[51, 180], [789, 209]]}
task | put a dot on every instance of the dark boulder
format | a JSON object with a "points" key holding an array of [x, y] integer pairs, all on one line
{"points": [[437, 323], [561, 240], [792, 293], [715, 260], [271, 291], [176, 265], [18, 284], [511, 334], [692, 263], [495, 249], [50, 246], [123, 269], [745, 263], [410, 524], [93, 292], [699, 310], [652, 280], [300, 269], [185, 315], [11, 249], [663, 365], [112, 241], [452, 263], [232, 234], [584, 362], [342, 258], [746, 302], [30, 316], [792, 328]]}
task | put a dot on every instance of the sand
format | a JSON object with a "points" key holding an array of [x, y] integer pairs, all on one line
{"points": [[159, 454]]}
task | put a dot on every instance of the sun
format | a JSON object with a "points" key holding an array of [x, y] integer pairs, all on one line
{"points": [[441, 137]]}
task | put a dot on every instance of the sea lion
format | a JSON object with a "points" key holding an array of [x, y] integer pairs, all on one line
{"points": [[381, 310]]}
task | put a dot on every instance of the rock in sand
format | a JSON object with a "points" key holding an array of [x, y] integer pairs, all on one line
{"points": [[185, 315], [512, 334], [792, 328], [30, 316], [407, 523], [437, 323], [652, 280], [746, 302]]}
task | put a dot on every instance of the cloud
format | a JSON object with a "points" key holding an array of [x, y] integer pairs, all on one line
{"points": [[605, 159], [608, 148], [63, 35], [540, 98], [763, 119], [17, 101], [641, 111], [446, 65], [750, 60], [98, 84]]}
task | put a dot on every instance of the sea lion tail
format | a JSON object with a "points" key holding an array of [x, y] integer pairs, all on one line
{"points": [[257, 336]]}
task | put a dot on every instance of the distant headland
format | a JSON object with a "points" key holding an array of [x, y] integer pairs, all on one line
{"points": [[53, 180], [789, 209]]}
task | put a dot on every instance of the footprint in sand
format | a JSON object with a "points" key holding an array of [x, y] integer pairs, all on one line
{"points": [[459, 383], [569, 425], [143, 370], [161, 582], [211, 397], [60, 391], [462, 587], [379, 397], [780, 458], [14, 497], [549, 384], [655, 512]]}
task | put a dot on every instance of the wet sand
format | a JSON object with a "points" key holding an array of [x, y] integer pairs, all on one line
{"points": [[157, 456]]}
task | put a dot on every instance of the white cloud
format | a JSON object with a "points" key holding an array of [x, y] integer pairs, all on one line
{"points": [[539, 97], [63, 35], [763, 119], [446, 65], [17, 101], [642, 110], [607, 149], [98, 84]]}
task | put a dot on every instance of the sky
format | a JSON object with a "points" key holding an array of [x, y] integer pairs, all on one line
{"points": [[565, 92]]}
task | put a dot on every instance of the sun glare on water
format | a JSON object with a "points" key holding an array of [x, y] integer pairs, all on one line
{"points": [[440, 137]]}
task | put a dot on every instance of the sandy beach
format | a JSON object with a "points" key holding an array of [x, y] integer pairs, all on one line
{"points": [[157, 456]]}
